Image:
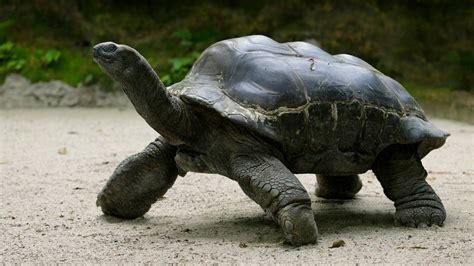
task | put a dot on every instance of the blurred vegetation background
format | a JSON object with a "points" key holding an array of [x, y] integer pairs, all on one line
{"points": [[425, 44]]}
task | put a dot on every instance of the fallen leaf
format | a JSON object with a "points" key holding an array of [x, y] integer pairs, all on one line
{"points": [[62, 151], [338, 243]]}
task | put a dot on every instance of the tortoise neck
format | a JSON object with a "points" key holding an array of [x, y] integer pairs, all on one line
{"points": [[163, 112]]}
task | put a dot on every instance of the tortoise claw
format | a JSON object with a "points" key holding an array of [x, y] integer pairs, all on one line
{"points": [[420, 216]]}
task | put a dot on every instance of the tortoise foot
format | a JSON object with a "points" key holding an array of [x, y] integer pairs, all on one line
{"points": [[298, 225], [419, 216], [115, 205]]}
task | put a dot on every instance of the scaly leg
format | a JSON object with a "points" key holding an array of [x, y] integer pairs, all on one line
{"points": [[271, 185], [139, 181], [399, 170]]}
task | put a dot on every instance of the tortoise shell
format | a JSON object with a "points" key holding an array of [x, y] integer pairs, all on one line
{"points": [[330, 114]]}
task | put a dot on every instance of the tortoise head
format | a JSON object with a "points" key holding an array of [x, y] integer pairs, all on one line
{"points": [[120, 62], [164, 112]]}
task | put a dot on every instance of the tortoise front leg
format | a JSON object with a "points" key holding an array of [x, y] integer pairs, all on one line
{"points": [[399, 170], [139, 181], [271, 185]]}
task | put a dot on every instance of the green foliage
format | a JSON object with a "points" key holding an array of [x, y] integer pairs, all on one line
{"points": [[179, 67], [15, 58], [462, 66], [422, 42], [39, 64], [4, 28], [49, 57], [189, 44], [71, 66], [12, 59], [185, 36], [427, 93]]}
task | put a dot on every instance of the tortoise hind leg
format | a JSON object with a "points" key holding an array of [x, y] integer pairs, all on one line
{"points": [[139, 181], [399, 170], [338, 187]]}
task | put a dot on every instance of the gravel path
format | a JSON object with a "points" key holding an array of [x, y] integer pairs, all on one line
{"points": [[54, 161]]}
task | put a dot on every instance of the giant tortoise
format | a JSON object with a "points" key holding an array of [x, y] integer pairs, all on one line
{"points": [[259, 112]]}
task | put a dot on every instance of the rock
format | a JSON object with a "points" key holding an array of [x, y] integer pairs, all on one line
{"points": [[19, 92], [62, 151], [15, 81], [54, 93], [13, 90]]}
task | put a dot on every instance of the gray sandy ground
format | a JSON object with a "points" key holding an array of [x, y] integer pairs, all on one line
{"points": [[54, 161]]}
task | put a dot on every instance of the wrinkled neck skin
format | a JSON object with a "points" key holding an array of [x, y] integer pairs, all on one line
{"points": [[162, 111]]}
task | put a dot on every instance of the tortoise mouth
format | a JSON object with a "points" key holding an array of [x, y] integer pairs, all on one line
{"points": [[104, 52]]}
